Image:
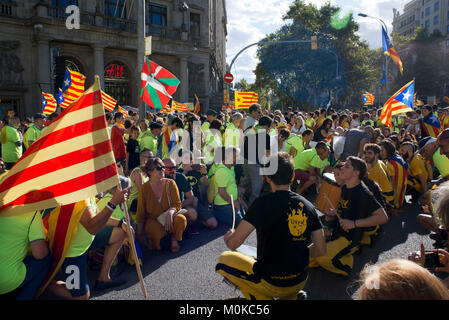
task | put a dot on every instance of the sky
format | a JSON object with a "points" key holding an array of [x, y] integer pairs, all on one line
{"points": [[250, 20]]}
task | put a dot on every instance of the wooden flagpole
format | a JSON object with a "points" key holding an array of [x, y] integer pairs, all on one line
{"points": [[131, 240], [233, 212]]}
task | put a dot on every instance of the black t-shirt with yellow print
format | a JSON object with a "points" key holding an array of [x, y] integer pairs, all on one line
{"points": [[284, 222], [355, 203]]}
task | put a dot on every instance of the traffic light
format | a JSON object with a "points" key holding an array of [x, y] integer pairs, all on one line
{"points": [[314, 43]]}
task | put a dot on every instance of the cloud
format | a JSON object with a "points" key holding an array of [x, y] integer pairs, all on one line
{"points": [[249, 21]]}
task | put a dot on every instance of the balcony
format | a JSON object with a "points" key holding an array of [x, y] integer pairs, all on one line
{"points": [[120, 24], [163, 32], [6, 9]]}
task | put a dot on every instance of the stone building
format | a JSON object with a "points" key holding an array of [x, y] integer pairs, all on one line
{"points": [[188, 39]]}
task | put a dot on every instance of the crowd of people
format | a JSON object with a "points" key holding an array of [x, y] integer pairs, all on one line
{"points": [[182, 170]]}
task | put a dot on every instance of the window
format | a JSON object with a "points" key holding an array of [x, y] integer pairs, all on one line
{"points": [[437, 6], [111, 9], [427, 24], [195, 22], [61, 5], [157, 15], [436, 19], [427, 11]]}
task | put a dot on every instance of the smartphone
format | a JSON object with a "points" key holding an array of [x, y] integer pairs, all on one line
{"points": [[432, 260]]}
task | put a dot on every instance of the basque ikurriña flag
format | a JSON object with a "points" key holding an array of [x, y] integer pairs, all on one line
{"points": [[157, 86], [390, 51]]}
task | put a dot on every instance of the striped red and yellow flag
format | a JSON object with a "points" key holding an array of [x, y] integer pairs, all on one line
{"points": [[121, 110], [71, 161], [176, 106], [60, 225], [49, 103], [72, 87], [166, 109], [108, 102], [196, 110], [243, 100]]}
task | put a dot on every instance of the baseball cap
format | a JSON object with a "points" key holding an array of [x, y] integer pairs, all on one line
{"points": [[211, 112], [425, 141], [155, 125]]}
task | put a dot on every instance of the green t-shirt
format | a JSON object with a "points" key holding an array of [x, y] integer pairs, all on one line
{"points": [[441, 162], [134, 191], [82, 238], [310, 158], [32, 134], [147, 140], [11, 152], [232, 136], [16, 234], [225, 178], [118, 212], [296, 142], [212, 142]]}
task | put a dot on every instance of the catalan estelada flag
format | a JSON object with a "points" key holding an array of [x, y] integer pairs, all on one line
{"points": [[397, 170], [48, 103], [170, 139], [60, 225], [108, 102], [196, 110], [390, 51], [176, 106], [71, 161], [368, 99], [243, 100], [400, 102], [157, 85], [72, 87], [431, 126], [166, 109]]}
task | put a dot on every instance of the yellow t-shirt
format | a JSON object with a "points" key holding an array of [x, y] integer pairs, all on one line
{"points": [[378, 174], [418, 166]]}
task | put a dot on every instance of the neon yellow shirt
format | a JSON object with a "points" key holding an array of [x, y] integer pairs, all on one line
{"points": [[225, 178]]}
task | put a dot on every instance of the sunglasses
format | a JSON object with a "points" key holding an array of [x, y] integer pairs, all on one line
{"points": [[160, 168], [170, 168]]}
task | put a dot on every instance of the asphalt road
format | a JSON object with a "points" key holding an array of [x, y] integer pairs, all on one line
{"points": [[190, 273]]}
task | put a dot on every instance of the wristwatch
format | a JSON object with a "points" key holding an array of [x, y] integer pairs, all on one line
{"points": [[111, 206], [120, 223]]}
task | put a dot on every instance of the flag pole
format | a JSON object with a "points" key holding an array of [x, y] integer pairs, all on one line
{"points": [[128, 221], [131, 241]]}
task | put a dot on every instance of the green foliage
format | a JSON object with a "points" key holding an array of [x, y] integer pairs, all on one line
{"points": [[297, 75]]}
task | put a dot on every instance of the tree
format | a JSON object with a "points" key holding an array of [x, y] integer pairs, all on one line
{"points": [[300, 76]]}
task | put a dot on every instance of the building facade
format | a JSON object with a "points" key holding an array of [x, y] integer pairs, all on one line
{"points": [[36, 46], [430, 14]]}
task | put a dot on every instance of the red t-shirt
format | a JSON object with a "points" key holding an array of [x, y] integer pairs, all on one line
{"points": [[118, 143]]}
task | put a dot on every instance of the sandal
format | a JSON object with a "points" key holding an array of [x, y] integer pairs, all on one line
{"points": [[174, 248]]}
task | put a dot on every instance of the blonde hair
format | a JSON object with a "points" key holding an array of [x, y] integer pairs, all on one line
{"points": [[400, 279]]}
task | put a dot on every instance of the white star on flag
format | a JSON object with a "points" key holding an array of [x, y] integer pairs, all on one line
{"points": [[407, 95], [67, 82]]}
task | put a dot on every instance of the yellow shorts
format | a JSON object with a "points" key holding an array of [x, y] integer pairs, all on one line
{"points": [[238, 269]]}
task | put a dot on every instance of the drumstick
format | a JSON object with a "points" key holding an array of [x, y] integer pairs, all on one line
{"points": [[233, 212], [330, 204]]}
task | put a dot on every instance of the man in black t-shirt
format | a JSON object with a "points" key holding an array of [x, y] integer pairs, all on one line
{"points": [[357, 210], [285, 223]]}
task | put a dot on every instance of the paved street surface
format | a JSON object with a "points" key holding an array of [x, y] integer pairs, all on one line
{"points": [[190, 273]]}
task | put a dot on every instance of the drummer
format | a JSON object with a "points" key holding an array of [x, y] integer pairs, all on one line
{"points": [[310, 165], [357, 210]]}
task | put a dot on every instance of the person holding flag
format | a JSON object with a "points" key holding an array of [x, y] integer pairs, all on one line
{"points": [[429, 123], [400, 102]]}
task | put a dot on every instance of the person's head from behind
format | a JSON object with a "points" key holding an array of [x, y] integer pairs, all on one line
{"points": [[155, 169], [322, 150], [176, 123], [307, 136], [285, 169], [156, 128], [170, 168], [400, 279], [354, 169], [125, 183], [387, 150], [216, 125], [255, 111], [406, 151], [371, 153], [236, 118]]}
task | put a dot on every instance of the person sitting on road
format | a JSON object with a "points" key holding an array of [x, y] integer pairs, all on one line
{"points": [[400, 279], [311, 163], [285, 222], [158, 208], [357, 209]]}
